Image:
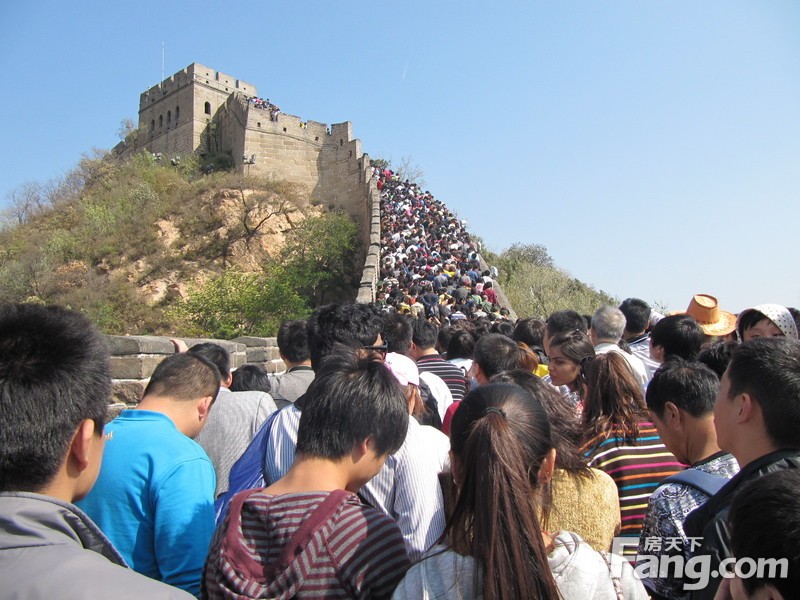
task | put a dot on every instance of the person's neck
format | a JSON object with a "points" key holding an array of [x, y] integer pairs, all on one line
{"points": [[174, 410], [701, 440], [751, 448], [291, 365], [632, 336], [428, 352], [312, 474]]}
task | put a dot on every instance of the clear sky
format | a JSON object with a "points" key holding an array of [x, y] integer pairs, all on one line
{"points": [[652, 147]]}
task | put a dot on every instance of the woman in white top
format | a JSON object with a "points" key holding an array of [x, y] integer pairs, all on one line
{"points": [[494, 548]]}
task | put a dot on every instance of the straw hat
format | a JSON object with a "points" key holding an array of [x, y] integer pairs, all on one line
{"points": [[713, 321]]}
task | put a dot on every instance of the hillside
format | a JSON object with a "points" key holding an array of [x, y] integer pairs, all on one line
{"points": [[149, 247]]}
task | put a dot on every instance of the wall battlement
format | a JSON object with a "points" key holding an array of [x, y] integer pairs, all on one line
{"points": [[200, 110]]}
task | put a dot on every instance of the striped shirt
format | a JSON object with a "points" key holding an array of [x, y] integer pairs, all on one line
{"points": [[450, 374], [357, 553], [637, 467], [406, 488]]}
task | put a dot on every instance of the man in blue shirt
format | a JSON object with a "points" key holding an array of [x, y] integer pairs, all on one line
{"points": [[154, 497]]}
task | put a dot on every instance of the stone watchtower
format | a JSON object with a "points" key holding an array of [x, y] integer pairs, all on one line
{"points": [[202, 111], [177, 116]]}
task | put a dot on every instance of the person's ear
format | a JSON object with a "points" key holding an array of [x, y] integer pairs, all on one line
{"points": [[228, 380], [749, 409], [547, 467], [672, 415], [204, 407], [83, 445]]}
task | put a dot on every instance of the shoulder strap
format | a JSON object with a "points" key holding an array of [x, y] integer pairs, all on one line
{"points": [[247, 472], [700, 480]]}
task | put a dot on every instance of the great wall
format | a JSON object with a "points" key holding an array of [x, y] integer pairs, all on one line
{"points": [[199, 110]]}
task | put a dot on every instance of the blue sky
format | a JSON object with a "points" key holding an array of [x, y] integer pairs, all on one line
{"points": [[652, 147]]}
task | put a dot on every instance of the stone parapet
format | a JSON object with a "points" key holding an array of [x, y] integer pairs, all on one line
{"points": [[135, 357]]}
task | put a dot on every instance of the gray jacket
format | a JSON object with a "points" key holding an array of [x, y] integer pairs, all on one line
{"points": [[52, 549], [233, 421]]}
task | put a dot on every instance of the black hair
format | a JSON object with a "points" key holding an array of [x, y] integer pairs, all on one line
{"points": [[495, 352], [396, 333], [566, 429], [691, 386], [250, 378], [769, 370], [750, 319], [353, 325], [717, 356], [637, 314], [530, 332], [563, 321], [500, 436], [765, 524], [351, 399], [444, 336], [183, 377], [795, 316], [678, 335], [54, 374], [293, 341], [503, 328], [216, 355], [462, 345], [577, 347], [425, 334]]}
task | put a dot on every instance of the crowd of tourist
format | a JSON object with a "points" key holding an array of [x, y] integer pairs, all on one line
{"points": [[423, 446], [429, 263], [262, 104]]}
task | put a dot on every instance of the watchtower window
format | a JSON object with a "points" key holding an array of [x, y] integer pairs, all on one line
{"points": [[177, 113], [160, 121], [152, 124], [208, 108], [169, 116]]}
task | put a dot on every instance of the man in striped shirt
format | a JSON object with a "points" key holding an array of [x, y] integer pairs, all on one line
{"points": [[308, 535], [404, 488], [423, 351]]}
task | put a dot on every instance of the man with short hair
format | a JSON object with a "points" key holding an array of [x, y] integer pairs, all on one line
{"points": [[637, 320], [397, 334], [493, 354], [757, 420], [287, 387], [608, 325], [154, 497], [423, 351], [402, 488], [349, 549], [54, 397], [676, 335], [681, 400], [562, 321], [235, 420]]}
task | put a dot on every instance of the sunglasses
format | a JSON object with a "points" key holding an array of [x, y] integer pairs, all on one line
{"points": [[382, 349]]}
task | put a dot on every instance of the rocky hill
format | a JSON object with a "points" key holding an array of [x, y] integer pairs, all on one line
{"points": [[149, 247]]}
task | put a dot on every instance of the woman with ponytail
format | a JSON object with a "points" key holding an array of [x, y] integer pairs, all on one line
{"points": [[493, 547]]}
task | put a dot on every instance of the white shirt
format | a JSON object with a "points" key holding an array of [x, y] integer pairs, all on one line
{"points": [[636, 364], [440, 391]]}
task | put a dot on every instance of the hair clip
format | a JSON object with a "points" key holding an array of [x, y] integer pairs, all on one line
{"points": [[495, 410]]}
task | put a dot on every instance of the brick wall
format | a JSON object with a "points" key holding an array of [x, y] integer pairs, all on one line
{"points": [[134, 357]]}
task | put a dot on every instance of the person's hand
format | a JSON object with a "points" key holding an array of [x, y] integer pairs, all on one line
{"points": [[179, 345]]}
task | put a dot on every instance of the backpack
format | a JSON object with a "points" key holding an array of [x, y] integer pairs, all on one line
{"points": [[700, 480], [248, 471]]}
